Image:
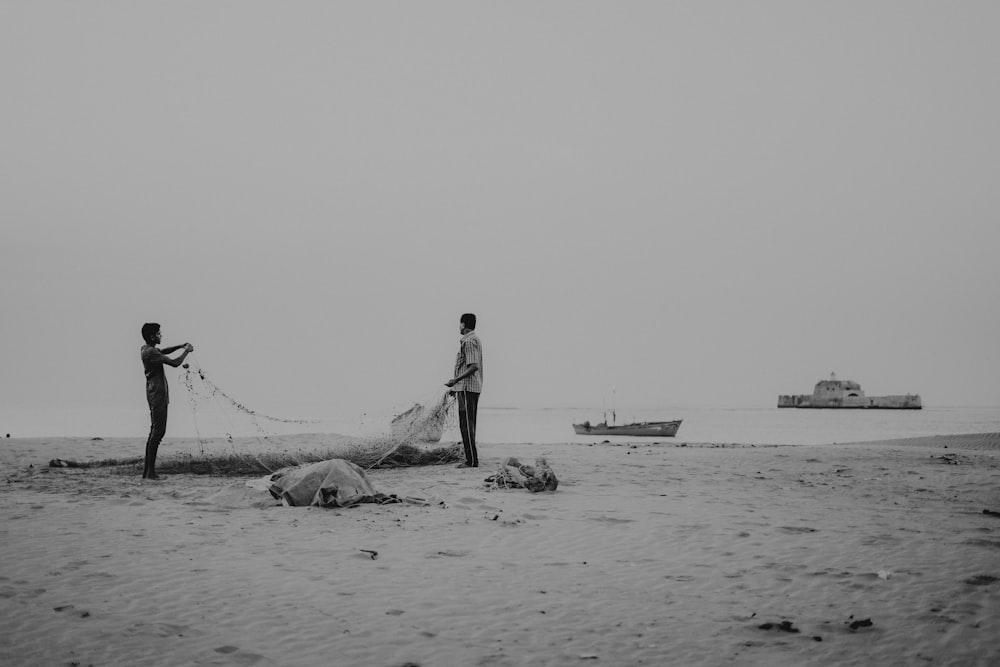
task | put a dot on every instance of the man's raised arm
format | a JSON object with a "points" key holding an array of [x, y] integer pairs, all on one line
{"points": [[175, 362]]}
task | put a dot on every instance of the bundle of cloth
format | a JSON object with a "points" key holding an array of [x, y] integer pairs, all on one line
{"points": [[422, 424], [332, 483]]}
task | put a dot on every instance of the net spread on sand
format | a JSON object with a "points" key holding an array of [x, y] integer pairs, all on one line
{"points": [[405, 442]]}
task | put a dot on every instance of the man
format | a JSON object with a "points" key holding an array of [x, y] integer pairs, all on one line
{"points": [[157, 395], [467, 384]]}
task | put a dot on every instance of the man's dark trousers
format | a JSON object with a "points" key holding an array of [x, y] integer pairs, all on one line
{"points": [[468, 407], [157, 429]]}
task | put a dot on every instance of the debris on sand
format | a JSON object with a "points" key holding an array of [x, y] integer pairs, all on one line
{"points": [[512, 474]]}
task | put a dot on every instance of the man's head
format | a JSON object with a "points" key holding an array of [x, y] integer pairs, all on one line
{"points": [[468, 322], [150, 330]]}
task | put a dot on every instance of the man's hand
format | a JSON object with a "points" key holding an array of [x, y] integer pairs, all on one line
{"points": [[450, 383], [189, 347]]}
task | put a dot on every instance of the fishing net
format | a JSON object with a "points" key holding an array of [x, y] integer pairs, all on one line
{"points": [[406, 441], [512, 474], [233, 439]]}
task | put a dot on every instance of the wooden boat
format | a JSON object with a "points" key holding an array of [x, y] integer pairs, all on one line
{"points": [[643, 429]]}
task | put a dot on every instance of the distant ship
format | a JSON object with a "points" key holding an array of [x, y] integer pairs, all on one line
{"points": [[834, 393]]}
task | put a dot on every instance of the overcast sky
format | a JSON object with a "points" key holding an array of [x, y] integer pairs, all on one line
{"points": [[692, 202]]}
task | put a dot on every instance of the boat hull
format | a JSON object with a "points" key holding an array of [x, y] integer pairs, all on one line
{"points": [[640, 429]]}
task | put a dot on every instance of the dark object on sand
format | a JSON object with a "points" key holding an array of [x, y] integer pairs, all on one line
{"points": [[863, 623], [784, 626], [991, 513], [62, 463]]}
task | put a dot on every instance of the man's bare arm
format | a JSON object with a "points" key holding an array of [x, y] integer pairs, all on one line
{"points": [[177, 361]]}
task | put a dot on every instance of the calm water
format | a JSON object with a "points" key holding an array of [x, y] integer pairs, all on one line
{"points": [[749, 425], [701, 424]]}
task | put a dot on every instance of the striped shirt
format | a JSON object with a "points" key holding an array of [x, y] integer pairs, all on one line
{"points": [[470, 351]]}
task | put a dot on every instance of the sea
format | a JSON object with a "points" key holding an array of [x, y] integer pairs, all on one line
{"points": [[700, 424], [747, 425]]}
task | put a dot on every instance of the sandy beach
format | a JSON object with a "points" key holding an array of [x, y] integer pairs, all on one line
{"points": [[647, 554]]}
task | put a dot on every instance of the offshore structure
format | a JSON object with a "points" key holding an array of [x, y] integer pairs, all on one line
{"points": [[834, 393]]}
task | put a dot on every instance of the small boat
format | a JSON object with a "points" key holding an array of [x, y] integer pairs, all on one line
{"points": [[654, 429]]}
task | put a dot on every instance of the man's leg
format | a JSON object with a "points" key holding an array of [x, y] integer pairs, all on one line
{"points": [[149, 442], [468, 404], [473, 416], [157, 429]]}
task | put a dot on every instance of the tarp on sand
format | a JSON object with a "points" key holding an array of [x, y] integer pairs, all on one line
{"points": [[332, 483]]}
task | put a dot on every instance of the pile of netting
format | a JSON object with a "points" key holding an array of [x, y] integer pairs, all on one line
{"points": [[407, 441], [512, 474]]}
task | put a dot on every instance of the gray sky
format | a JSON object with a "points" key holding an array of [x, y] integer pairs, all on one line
{"points": [[693, 202]]}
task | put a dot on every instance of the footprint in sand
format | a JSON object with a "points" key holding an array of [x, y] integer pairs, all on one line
{"points": [[797, 529], [449, 553], [239, 657], [159, 629], [10, 592], [82, 613], [993, 544], [609, 519]]}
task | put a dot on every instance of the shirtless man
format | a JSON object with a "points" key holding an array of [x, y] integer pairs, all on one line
{"points": [[157, 394]]}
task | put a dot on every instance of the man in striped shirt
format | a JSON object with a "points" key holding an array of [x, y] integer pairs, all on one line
{"points": [[466, 385]]}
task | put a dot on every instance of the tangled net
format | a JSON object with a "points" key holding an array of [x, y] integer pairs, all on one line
{"points": [[418, 424], [512, 474], [405, 444]]}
